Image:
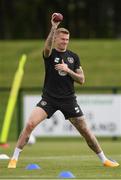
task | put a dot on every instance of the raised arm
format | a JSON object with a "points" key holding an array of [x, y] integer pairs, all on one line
{"points": [[50, 39]]}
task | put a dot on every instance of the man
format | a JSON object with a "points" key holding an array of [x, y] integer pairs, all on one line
{"points": [[62, 68]]}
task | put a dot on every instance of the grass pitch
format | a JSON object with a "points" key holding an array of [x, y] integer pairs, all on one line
{"points": [[56, 155]]}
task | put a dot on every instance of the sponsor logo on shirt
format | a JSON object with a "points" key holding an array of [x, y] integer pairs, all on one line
{"points": [[56, 60], [62, 73]]}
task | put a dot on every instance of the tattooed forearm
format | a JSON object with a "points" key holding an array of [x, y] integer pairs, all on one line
{"points": [[50, 38], [49, 42], [78, 77]]}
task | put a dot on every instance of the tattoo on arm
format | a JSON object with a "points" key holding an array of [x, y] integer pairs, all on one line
{"points": [[49, 42], [78, 76]]}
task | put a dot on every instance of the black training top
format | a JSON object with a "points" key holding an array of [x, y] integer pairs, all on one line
{"points": [[57, 83]]}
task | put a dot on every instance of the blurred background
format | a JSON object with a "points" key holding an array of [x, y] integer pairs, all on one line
{"points": [[30, 19], [95, 28]]}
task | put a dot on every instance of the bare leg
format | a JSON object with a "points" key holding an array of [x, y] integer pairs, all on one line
{"points": [[37, 116], [81, 126]]}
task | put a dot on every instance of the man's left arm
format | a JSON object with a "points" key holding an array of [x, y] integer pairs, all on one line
{"points": [[78, 75]]}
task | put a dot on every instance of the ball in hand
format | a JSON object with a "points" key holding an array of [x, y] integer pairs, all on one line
{"points": [[57, 17]]}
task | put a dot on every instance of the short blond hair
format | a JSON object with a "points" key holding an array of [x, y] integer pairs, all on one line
{"points": [[62, 30]]}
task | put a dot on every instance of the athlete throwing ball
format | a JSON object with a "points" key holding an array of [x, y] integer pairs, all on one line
{"points": [[62, 68]]}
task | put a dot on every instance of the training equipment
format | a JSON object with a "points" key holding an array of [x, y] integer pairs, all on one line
{"points": [[57, 17], [12, 163], [32, 167], [32, 139], [66, 174], [12, 99], [3, 157], [4, 145], [111, 163]]}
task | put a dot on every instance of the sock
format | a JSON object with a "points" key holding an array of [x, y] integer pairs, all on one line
{"points": [[16, 153], [102, 156]]}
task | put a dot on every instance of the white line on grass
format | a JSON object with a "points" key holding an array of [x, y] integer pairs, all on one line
{"points": [[56, 157], [82, 157]]}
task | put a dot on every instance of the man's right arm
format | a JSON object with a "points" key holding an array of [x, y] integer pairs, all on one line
{"points": [[50, 39]]}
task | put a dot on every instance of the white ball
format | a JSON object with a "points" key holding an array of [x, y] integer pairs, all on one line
{"points": [[32, 139]]}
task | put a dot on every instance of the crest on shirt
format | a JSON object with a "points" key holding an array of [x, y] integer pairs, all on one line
{"points": [[56, 60], [43, 103], [70, 60]]}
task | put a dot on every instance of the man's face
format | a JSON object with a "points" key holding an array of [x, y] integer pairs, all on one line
{"points": [[61, 41]]}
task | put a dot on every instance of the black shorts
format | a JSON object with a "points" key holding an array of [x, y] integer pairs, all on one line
{"points": [[68, 107]]}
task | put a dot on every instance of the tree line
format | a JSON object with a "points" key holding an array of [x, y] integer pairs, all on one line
{"points": [[27, 19]]}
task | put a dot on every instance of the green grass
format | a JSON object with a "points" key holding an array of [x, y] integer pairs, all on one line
{"points": [[54, 156], [101, 61]]}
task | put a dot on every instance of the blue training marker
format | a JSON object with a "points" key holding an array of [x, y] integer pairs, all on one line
{"points": [[32, 167], [66, 174]]}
